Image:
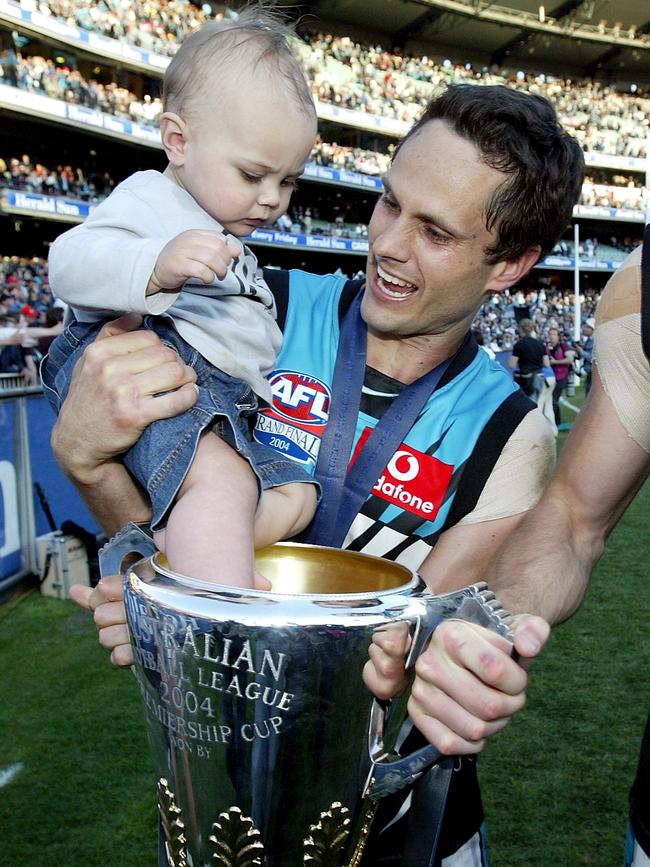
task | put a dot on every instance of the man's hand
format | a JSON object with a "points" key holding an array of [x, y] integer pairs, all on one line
{"points": [[125, 380], [106, 601], [198, 253], [384, 673], [468, 686]]}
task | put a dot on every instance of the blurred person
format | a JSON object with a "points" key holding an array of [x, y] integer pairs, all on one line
{"points": [[528, 360], [166, 246], [585, 351], [54, 324], [446, 234], [545, 397], [561, 358], [11, 338], [480, 340]]}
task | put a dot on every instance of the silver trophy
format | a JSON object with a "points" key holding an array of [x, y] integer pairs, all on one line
{"points": [[268, 748]]}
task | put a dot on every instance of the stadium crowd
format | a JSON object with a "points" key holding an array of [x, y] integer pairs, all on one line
{"points": [[545, 303], [61, 82], [390, 84], [30, 317], [363, 78], [39, 74], [25, 290], [345, 72], [153, 25], [352, 159], [22, 173]]}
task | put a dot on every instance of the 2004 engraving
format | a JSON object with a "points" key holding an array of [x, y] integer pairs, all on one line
{"points": [[193, 665]]}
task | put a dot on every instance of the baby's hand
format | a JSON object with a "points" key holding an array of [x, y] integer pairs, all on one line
{"points": [[199, 253], [384, 673]]}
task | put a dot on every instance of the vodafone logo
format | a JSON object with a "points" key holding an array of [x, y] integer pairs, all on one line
{"points": [[300, 398], [403, 466], [414, 481]]}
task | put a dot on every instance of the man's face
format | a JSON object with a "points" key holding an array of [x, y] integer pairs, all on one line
{"points": [[554, 336], [426, 271]]}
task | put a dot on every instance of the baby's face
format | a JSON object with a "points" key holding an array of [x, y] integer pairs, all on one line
{"points": [[242, 160]]}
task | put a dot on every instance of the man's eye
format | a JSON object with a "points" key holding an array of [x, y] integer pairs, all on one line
{"points": [[388, 202], [437, 236]]}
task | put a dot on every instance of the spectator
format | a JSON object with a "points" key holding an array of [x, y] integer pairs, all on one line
{"points": [[561, 357], [585, 350], [528, 359]]}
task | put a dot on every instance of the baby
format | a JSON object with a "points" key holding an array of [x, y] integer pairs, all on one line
{"points": [[237, 128]]}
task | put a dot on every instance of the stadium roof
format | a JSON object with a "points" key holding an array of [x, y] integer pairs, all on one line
{"points": [[604, 39]]}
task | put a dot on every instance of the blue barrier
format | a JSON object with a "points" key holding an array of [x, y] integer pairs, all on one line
{"points": [[10, 548], [26, 422]]}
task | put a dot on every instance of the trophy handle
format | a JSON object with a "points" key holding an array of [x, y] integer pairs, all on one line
{"points": [[390, 772], [477, 604], [133, 542]]}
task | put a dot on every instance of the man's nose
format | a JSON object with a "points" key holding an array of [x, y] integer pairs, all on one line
{"points": [[392, 240]]}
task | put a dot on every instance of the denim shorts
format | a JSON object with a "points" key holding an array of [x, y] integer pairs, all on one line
{"points": [[163, 454]]}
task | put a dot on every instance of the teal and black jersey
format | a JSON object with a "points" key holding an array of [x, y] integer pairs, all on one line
{"points": [[436, 475]]}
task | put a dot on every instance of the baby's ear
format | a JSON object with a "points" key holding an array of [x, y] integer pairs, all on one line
{"points": [[173, 131]]}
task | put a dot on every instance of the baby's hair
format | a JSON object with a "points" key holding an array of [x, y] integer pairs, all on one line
{"points": [[258, 35]]}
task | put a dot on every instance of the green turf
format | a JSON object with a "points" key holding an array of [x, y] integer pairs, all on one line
{"points": [[555, 782], [85, 794]]}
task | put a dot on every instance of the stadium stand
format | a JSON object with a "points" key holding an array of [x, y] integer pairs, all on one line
{"points": [[90, 75]]}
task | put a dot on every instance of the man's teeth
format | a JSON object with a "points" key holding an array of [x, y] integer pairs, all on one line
{"points": [[393, 282]]}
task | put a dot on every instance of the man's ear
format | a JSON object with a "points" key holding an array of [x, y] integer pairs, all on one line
{"points": [[173, 134], [505, 274]]}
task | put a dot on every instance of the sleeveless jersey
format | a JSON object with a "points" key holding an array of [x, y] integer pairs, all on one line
{"points": [[460, 431]]}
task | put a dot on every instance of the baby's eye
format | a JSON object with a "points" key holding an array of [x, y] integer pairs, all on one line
{"points": [[291, 183], [250, 177]]}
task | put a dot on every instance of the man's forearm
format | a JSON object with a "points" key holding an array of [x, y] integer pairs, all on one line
{"points": [[114, 499], [545, 566], [107, 489]]}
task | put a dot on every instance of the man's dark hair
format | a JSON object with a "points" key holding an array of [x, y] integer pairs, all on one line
{"points": [[518, 134]]}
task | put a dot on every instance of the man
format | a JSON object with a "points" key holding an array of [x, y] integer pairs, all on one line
{"points": [[547, 562], [452, 227], [586, 351], [561, 357], [528, 359]]}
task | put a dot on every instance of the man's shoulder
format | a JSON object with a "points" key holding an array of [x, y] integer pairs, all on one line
{"points": [[622, 294], [521, 472]]}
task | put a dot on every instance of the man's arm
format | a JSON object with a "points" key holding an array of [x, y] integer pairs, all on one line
{"points": [[546, 564], [467, 685], [567, 361], [466, 688], [462, 553], [125, 380]]}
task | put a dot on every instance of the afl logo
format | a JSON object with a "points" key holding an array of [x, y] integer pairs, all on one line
{"points": [[300, 398]]}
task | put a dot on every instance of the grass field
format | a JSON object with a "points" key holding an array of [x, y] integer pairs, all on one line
{"points": [[76, 787]]}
